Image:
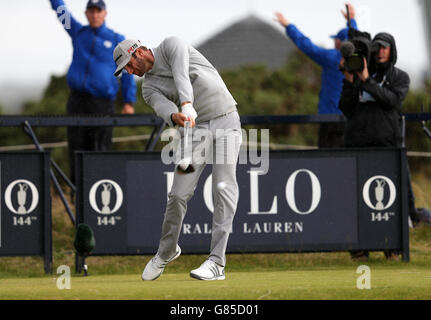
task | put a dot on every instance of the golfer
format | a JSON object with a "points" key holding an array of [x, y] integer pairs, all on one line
{"points": [[181, 85]]}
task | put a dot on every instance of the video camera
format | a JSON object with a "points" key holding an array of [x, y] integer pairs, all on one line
{"points": [[354, 50]]}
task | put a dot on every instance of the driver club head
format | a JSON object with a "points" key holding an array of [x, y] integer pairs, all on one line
{"points": [[185, 166]]}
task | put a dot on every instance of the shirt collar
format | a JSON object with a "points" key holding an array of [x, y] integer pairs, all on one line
{"points": [[102, 27], [156, 61]]}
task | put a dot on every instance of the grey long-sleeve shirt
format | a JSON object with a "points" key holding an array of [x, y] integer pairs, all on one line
{"points": [[180, 74]]}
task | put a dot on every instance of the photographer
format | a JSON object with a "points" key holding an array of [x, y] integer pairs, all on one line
{"points": [[372, 100], [330, 134]]}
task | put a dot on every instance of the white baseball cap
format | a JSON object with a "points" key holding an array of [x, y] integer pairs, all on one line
{"points": [[123, 53]]}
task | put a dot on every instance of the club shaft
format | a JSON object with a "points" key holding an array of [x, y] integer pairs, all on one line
{"points": [[187, 147]]}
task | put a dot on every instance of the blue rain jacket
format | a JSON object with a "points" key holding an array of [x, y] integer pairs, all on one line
{"points": [[92, 69], [329, 60]]}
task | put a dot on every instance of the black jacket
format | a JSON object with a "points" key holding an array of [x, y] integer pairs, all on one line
{"points": [[376, 123]]}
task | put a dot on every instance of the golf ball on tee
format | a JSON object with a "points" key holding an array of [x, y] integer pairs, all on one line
{"points": [[221, 186]]}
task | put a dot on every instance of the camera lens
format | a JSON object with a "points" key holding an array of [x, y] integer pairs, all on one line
{"points": [[355, 63]]}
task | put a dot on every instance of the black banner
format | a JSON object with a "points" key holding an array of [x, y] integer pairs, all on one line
{"points": [[308, 201], [25, 215]]}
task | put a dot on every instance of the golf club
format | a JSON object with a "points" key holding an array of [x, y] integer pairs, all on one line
{"points": [[185, 166]]}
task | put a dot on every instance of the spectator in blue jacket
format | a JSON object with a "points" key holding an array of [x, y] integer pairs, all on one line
{"points": [[91, 77], [330, 135]]}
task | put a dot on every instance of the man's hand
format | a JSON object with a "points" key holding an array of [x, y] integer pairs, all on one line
{"points": [[180, 119], [279, 17], [349, 76], [128, 109], [351, 10], [364, 75]]}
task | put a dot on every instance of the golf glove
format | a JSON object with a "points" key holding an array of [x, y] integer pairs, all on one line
{"points": [[189, 111]]}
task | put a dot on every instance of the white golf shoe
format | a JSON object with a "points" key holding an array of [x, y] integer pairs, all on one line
{"points": [[209, 270], [154, 268]]}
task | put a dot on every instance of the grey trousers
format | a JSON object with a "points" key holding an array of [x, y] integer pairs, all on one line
{"points": [[225, 142]]}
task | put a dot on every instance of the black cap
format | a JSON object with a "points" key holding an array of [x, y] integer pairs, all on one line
{"points": [[96, 4], [382, 43]]}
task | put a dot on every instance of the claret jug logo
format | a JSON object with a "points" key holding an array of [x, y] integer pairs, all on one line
{"points": [[379, 193], [106, 197], [21, 197]]}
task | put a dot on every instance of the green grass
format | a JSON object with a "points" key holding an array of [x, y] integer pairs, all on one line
{"points": [[254, 277], [327, 283]]}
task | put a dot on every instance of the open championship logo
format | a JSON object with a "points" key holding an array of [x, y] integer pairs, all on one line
{"points": [[379, 184], [105, 188], [23, 191]]}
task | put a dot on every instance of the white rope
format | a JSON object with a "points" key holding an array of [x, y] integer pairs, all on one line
{"points": [[276, 146], [63, 144], [271, 146]]}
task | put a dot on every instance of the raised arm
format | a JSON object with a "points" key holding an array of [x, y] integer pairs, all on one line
{"points": [[128, 86], [352, 14], [65, 17], [319, 55]]}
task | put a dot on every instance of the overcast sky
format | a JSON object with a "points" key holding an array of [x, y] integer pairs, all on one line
{"points": [[34, 45]]}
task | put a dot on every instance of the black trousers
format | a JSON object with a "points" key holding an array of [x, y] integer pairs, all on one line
{"points": [[410, 194], [331, 135], [88, 139]]}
